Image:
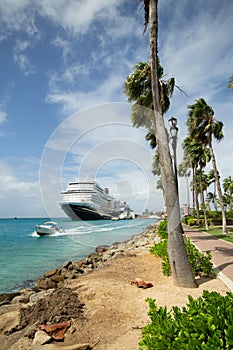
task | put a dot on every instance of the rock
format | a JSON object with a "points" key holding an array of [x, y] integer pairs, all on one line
{"points": [[9, 321], [102, 248], [40, 295], [45, 283], [5, 298], [66, 265], [41, 338], [23, 297], [21, 344], [58, 278], [50, 273]]}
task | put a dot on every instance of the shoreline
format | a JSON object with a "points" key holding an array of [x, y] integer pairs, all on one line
{"points": [[69, 244], [110, 310]]}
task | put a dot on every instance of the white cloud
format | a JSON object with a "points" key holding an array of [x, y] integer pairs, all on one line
{"points": [[21, 58], [17, 15], [64, 45], [3, 116], [76, 100], [11, 185], [77, 16], [18, 196]]}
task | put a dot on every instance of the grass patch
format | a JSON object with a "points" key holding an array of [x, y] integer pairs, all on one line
{"points": [[216, 231]]}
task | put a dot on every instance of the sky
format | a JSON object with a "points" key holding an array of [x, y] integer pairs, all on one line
{"points": [[63, 112]]}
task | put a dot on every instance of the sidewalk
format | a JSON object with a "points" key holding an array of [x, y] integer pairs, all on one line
{"points": [[221, 251]]}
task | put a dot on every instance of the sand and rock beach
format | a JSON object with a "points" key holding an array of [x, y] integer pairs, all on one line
{"points": [[96, 303]]}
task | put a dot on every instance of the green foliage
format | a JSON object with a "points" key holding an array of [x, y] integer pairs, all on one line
{"points": [[194, 222], [162, 229], [200, 263], [206, 323], [160, 250], [186, 219]]}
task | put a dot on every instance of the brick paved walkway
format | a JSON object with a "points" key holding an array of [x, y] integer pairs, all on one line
{"points": [[222, 253]]}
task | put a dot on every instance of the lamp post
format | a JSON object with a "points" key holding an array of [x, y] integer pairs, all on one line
{"points": [[174, 132]]}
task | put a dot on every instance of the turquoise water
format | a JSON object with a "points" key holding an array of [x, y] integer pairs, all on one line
{"points": [[24, 256]]}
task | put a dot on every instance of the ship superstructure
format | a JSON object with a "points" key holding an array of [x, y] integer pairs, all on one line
{"points": [[86, 200]]}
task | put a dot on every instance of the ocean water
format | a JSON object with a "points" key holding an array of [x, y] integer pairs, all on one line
{"points": [[24, 256]]}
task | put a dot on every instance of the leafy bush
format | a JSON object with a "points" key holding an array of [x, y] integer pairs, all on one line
{"points": [[200, 263], [160, 250], [162, 229], [206, 323], [192, 222]]}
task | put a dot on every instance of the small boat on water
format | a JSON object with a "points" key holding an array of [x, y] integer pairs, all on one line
{"points": [[48, 228]]}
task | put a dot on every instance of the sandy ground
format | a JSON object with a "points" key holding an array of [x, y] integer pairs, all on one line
{"points": [[116, 310]]}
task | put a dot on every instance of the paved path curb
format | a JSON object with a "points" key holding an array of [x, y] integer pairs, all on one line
{"points": [[221, 251]]}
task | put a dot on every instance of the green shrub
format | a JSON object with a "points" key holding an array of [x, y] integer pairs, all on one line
{"points": [[206, 323], [192, 222], [200, 263], [162, 229], [160, 250]]}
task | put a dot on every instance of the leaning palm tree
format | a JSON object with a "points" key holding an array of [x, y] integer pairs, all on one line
{"points": [[202, 126], [180, 267], [137, 88]]}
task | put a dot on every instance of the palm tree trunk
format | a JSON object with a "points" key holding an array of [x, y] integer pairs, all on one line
{"points": [[180, 267], [224, 221], [196, 196], [187, 189], [203, 202], [193, 189]]}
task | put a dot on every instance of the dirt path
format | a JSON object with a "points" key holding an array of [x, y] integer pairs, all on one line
{"points": [[116, 310]]}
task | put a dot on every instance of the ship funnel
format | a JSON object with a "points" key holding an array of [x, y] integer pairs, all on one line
{"points": [[106, 190]]}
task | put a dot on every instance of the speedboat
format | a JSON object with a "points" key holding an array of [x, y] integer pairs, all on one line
{"points": [[48, 228]]}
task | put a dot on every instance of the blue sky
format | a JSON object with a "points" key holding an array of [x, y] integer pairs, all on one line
{"points": [[63, 113]]}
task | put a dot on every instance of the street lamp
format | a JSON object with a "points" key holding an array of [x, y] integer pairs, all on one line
{"points": [[174, 132]]}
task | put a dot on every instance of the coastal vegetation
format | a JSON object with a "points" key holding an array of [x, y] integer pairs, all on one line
{"points": [[202, 128], [204, 323], [200, 262], [155, 95]]}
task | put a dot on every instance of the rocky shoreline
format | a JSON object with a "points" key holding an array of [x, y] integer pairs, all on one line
{"points": [[24, 316]]}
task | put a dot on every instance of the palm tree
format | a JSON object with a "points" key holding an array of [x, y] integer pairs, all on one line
{"points": [[137, 88], [228, 188], [184, 171], [191, 152], [203, 127], [211, 180], [212, 198], [199, 156], [180, 267]]}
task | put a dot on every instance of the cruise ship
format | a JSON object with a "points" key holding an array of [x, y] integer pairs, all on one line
{"points": [[86, 200]]}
